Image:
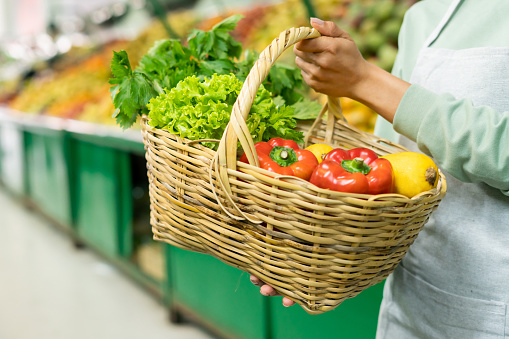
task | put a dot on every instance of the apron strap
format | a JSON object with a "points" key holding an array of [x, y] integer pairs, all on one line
{"points": [[434, 35]]}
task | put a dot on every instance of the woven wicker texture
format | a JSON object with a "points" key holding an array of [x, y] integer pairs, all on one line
{"points": [[315, 246]]}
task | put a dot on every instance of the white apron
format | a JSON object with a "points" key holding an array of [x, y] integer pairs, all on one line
{"points": [[454, 281]]}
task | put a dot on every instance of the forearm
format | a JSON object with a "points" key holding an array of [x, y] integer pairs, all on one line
{"points": [[380, 90]]}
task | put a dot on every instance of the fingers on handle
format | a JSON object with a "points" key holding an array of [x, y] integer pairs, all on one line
{"points": [[329, 28]]}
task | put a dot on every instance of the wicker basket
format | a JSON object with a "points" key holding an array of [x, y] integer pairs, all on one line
{"points": [[317, 247]]}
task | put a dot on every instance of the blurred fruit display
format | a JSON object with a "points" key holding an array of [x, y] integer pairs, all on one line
{"points": [[64, 93], [8, 89], [76, 86]]}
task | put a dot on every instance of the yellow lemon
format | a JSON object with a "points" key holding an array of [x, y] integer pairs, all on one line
{"points": [[413, 173], [319, 150]]}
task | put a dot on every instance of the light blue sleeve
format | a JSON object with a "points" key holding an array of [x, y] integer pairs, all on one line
{"points": [[469, 142]]}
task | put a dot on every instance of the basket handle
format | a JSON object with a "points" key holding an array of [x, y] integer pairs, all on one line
{"points": [[333, 106], [225, 158]]}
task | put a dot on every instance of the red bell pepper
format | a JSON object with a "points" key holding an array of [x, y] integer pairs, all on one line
{"points": [[284, 157], [358, 170]]}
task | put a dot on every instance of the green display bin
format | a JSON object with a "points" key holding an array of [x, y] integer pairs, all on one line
{"points": [[102, 203], [12, 166], [47, 172], [217, 295], [112, 206], [355, 318]]}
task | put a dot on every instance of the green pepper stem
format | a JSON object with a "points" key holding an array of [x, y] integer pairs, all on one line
{"points": [[283, 156], [356, 165]]}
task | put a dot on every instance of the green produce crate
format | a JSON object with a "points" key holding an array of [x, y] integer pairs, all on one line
{"points": [[216, 295], [112, 207], [223, 299], [102, 204], [47, 172], [12, 167], [355, 318]]}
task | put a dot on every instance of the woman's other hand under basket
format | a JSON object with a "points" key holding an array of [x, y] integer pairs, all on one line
{"points": [[268, 291]]}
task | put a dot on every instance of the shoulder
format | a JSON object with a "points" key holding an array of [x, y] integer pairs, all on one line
{"points": [[419, 22], [429, 8], [425, 15]]}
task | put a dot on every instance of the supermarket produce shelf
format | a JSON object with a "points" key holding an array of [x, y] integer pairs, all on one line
{"points": [[8, 115]]}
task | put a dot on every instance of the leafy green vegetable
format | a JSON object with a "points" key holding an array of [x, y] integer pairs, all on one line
{"points": [[131, 92], [200, 109], [216, 44], [282, 80], [306, 109], [168, 62], [285, 81]]}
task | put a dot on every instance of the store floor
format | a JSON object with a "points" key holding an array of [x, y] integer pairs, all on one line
{"points": [[50, 290]]}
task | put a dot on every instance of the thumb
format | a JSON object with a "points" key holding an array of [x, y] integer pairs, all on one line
{"points": [[328, 28]]}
